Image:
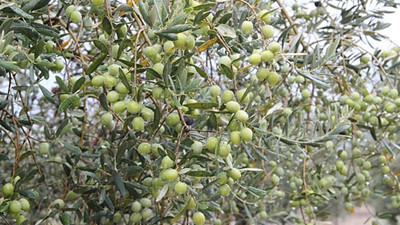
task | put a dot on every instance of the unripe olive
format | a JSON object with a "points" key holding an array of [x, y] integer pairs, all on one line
{"points": [[192, 203], [235, 174], [150, 52], [393, 93], [144, 148], [181, 41], [136, 206], [227, 95], [390, 107], [158, 93], [109, 81], [71, 196], [279, 171], [106, 119], [159, 68], [268, 31], [247, 27], [135, 217], [232, 106], [88, 24], [285, 69], [211, 143], [235, 60], [24, 204], [113, 69], [180, 188], [264, 16], [305, 93], [145, 202], [275, 179], [217, 222], [15, 206], [8, 189], [167, 162], [197, 147], [172, 119], [246, 134], [360, 178], [169, 48], [59, 203], [225, 190], [133, 106], [97, 3], [235, 137], [343, 155], [385, 90], [300, 79], [267, 55], [374, 121], [20, 219], [147, 114], [49, 46], [274, 47], [199, 218], [385, 169], [242, 116], [367, 165], [356, 152], [121, 88], [225, 60], [348, 206], [273, 78], [255, 59], [112, 96], [58, 65], [69, 10], [222, 178], [377, 100], [138, 124], [263, 215], [97, 81], [117, 217], [262, 73], [224, 150], [76, 16], [147, 213], [170, 174], [215, 90], [44, 148], [190, 42], [119, 107]]}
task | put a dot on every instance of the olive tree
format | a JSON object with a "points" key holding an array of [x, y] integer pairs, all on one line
{"points": [[197, 112]]}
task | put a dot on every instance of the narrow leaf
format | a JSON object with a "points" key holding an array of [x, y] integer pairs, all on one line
{"points": [[123, 79], [62, 84], [145, 15], [163, 191], [72, 148], [178, 28], [200, 174], [119, 183], [47, 94], [201, 105], [78, 84], [107, 26], [96, 63], [9, 65], [101, 46]]}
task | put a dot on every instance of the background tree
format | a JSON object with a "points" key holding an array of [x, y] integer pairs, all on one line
{"points": [[191, 112]]}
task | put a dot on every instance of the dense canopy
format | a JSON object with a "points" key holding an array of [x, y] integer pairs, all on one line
{"points": [[197, 112]]}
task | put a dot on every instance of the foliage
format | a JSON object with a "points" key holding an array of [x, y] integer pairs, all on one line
{"points": [[163, 112]]}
